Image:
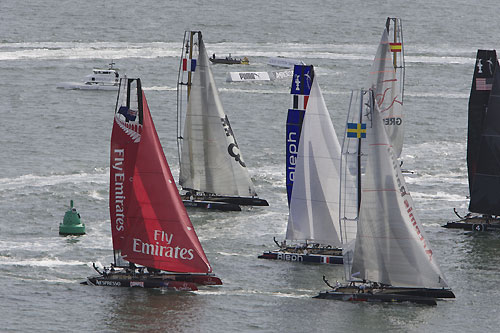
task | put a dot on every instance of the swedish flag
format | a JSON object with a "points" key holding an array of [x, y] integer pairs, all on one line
{"points": [[356, 130]]}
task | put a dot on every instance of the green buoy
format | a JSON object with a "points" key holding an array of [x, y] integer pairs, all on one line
{"points": [[71, 224]]}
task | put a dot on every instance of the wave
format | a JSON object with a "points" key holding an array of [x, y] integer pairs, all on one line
{"points": [[98, 50], [236, 254], [160, 88], [251, 292], [438, 95], [241, 89], [31, 180], [40, 262], [441, 196], [123, 50]]}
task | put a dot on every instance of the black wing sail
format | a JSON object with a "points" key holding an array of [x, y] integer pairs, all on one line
{"points": [[486, 63], [485, 190]]}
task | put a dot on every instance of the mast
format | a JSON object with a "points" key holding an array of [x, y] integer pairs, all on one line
{"points": [[191, 57], [395, 55], [399, 63], [351, 172], [186, 56], [359, 148], [180, 83]]}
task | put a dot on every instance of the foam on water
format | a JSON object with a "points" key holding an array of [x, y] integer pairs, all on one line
{"points": [[124, 50], [32, 180], [40, 262]]}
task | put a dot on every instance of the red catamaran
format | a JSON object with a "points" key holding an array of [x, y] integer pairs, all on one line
{"points": [[154, 242]]}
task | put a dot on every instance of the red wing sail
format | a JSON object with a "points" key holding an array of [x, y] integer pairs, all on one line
{"points": [[157, 230]]}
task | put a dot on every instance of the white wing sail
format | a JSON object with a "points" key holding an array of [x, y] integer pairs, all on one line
{"points": [[210, 157], [386, 80], [314, 205], [391, 246]]}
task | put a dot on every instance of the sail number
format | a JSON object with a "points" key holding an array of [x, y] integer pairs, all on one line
{"points": [[393, 121]]}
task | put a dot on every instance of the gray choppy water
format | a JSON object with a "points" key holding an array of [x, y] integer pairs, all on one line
{"points": [[55, 147]]}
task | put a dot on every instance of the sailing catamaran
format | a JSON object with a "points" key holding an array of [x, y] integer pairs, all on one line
{"points": [[391, 259], [212, 168], [154, 242], [483, 146], [313, 177]]}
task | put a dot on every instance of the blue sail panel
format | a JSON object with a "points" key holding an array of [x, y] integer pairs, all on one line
{"points": [[302, 80], [301, 88], [293, 129]]}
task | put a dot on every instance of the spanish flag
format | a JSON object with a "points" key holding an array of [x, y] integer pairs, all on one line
{"points": [[395, 47]]}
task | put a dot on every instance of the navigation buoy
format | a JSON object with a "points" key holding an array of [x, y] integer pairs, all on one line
{"points": [[71, 224]]}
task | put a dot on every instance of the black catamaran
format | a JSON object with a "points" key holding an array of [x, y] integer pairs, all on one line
{"points": [[213, 173], [483, 147]]}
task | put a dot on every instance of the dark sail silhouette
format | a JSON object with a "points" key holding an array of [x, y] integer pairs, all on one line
{"points": [[483, 150]]}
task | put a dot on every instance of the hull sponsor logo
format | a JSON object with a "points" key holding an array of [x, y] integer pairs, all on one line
{"points": [[108, 283], [289, 257]]}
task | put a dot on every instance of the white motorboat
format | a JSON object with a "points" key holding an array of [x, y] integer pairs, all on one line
{"points": [[100, 79]]}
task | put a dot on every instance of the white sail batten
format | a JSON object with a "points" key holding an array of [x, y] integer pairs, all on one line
{"points": [[391, 246], [388, 88], [314, 205], [210, 158]]}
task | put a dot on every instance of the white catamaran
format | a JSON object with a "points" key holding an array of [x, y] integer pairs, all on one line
{"points": [[313, 177], [391, 260], [213, 172]]}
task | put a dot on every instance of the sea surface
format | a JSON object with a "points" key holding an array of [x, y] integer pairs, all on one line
{"points": [[54, 147]]}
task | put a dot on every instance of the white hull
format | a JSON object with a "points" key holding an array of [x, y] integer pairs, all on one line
{"points": [[83, 86]]}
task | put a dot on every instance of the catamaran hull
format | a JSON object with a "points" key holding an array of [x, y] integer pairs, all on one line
{"points": [[242, 201], [211, 205], [476, 223], [83, 86], [376, 298], [179, 282], [141, 283], [305, 258], [422, 292], [407, 291]]}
